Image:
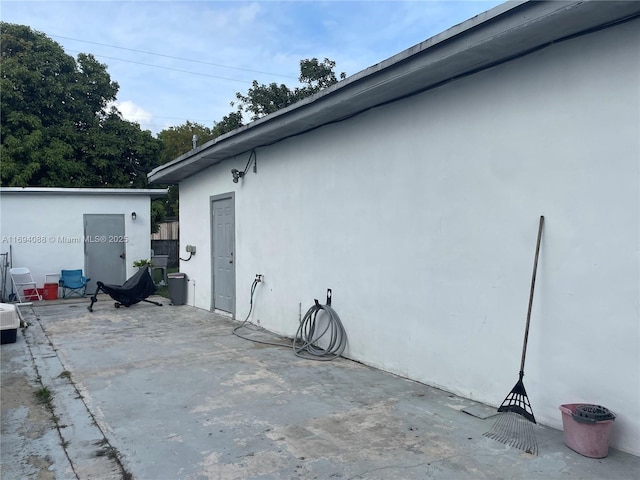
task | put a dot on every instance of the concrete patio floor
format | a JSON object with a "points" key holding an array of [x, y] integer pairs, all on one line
{"points": [[154, 393]]}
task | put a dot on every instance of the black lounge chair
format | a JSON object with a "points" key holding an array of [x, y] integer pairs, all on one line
{"points": [[134, 290]]}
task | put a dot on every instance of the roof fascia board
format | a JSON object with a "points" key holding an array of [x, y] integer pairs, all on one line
{"points": [[152, 192]]}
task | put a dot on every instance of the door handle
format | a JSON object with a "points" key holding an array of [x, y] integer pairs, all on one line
{"points": [[122, 255], [231, 261]]}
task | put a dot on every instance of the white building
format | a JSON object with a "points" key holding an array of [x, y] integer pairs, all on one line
{"points": [[413, 190], [99, 230]]}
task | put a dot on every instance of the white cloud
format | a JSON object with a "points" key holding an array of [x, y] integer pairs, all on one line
{"points": [[134, 113]]}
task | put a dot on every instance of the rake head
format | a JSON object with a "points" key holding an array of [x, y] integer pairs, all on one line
{"points": [[517, 401], [514, 427], [514, 430]]}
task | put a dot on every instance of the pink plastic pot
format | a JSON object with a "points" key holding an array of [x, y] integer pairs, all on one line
{"points": [[587, 428]]}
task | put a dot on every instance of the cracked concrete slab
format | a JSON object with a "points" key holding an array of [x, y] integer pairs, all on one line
{"points": [[170, 393]]}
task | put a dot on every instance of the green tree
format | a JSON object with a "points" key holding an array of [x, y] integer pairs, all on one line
{"points": [[227, 124], [178, 140], [261, 99], [317, 76], [56, 129], [120, 153]]}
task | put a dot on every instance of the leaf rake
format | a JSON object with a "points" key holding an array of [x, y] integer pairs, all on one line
{"points": [[514, 426]]}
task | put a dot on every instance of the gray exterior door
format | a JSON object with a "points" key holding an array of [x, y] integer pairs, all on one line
{"points": [[223, 246], [104, 249]]}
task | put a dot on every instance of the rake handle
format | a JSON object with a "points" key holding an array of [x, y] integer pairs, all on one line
{"points": [[533, 285]]}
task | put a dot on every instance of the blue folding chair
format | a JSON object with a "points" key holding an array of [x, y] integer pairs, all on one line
{"points": [[73, 283]]}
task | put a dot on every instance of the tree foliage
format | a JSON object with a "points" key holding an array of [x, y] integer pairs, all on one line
{"points": [[317, 76], [179, 140], [56, 127], [227, 124], [261, 99]]}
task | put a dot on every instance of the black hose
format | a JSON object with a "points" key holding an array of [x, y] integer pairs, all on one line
{"points": [[305, 343]]}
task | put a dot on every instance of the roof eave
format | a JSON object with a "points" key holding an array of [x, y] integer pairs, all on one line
{"points": [[149, 192]]}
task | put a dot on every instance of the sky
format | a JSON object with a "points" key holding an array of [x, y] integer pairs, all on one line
{"points": [[180, 60]]}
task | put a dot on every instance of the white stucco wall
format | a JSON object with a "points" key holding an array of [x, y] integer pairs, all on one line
{"points": [[45, 219], [422, 218]]}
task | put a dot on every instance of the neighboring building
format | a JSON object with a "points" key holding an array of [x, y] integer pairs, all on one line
{"points": [[413, 189], [100, 230]]}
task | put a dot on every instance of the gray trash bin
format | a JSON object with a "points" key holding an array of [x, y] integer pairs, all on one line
{"points": [[177, 288]]}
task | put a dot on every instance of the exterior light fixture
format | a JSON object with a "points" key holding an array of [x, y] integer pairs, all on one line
{"points": [[237, 175], [133, 215]]}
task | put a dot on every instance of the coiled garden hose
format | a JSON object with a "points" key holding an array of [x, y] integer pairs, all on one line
{"points": [[305, 343], [310, 333]]}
